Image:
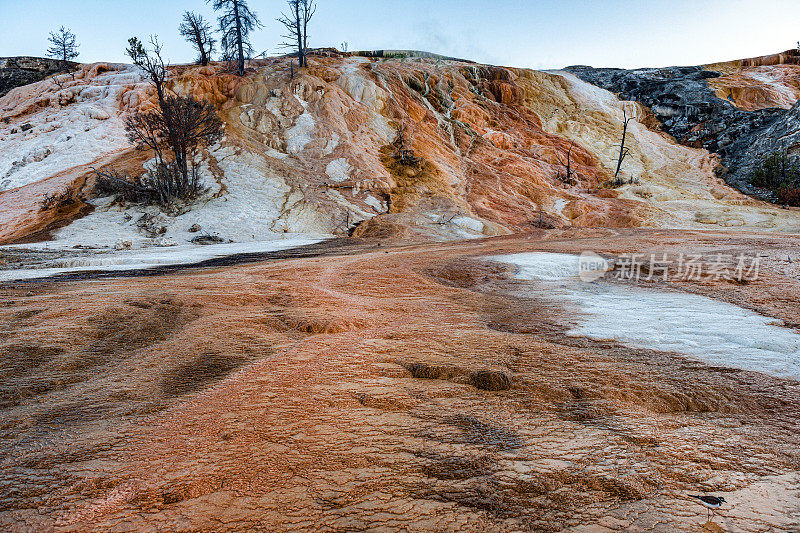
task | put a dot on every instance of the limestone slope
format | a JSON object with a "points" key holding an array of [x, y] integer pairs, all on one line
{"points": [[314, 154]]}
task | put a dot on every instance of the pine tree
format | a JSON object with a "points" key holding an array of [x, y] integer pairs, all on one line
{"points": [[63, 45], [135, 50], [236, 21]]}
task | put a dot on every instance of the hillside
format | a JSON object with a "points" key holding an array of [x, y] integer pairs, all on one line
{"points": [[313, 154], [337, 337]]}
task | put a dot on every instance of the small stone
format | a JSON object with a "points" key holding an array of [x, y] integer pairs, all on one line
{"points": [[195, 228], [26, 127], [123, 245]]}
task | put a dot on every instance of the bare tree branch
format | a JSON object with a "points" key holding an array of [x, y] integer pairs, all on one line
{"points": [[623, 150], [199, 33], [296, 23]]}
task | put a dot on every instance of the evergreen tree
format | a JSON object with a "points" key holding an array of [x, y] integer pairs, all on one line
{"points": [[63, 45], [236, 21]]}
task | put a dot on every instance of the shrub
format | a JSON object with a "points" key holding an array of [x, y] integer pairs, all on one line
{"points": [[58, 200], [789, 196], [160, 186], [174, 132]]}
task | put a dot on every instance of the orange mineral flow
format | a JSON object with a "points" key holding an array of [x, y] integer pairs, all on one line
{"points": [[493, 150]]}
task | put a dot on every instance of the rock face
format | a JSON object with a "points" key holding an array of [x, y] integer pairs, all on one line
{"points": [[18, 71], [691, 110]]}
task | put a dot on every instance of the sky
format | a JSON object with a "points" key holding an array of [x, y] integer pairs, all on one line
{"points": [[522, 33]]}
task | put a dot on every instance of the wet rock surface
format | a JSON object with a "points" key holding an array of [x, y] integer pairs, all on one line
{"points": [[694, 115]]}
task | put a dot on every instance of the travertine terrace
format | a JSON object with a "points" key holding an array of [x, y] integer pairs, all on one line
{"points": [[342, 392], [390, 375], [309, 154]]}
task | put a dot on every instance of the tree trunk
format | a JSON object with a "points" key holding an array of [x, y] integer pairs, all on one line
{"points": [[305, 28], [202, 47], [622, 153], [239, 43], [301, 53]]}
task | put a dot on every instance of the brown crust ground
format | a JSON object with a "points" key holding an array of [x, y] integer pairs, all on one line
{"points": [[348, 392]]}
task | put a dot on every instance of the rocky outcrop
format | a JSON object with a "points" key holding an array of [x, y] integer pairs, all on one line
{"points": [[692, 112], [789, 57], [19, 71]]}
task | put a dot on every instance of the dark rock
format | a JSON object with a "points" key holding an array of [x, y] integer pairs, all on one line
{"points": [[208, 239], [431, 371], [19, 71], [689, 110], [195, 228]]}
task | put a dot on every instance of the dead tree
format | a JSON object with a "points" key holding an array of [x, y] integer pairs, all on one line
{"points": [[174, 131], [296, 23], [624, 151], [404, 152], [198, 32], [63, 46], [567, 164], [309, 9], [181, 125], [236, 22]]}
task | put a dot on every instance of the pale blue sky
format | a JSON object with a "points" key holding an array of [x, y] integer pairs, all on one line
{"points": [[538, 34]]}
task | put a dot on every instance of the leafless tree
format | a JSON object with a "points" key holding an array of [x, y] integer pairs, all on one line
{"points": [[173, 132], [404, 152], [63, 45], [191, 124], [199, 33], [566, 162], [181, 125], [624, 151], [236, 21], [296, 23]]}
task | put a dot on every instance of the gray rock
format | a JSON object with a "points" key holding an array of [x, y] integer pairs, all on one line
{"points": [[690, 111], [19, 71]]}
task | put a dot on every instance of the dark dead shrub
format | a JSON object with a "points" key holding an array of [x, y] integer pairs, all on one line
{"points": [[65, 198]]}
